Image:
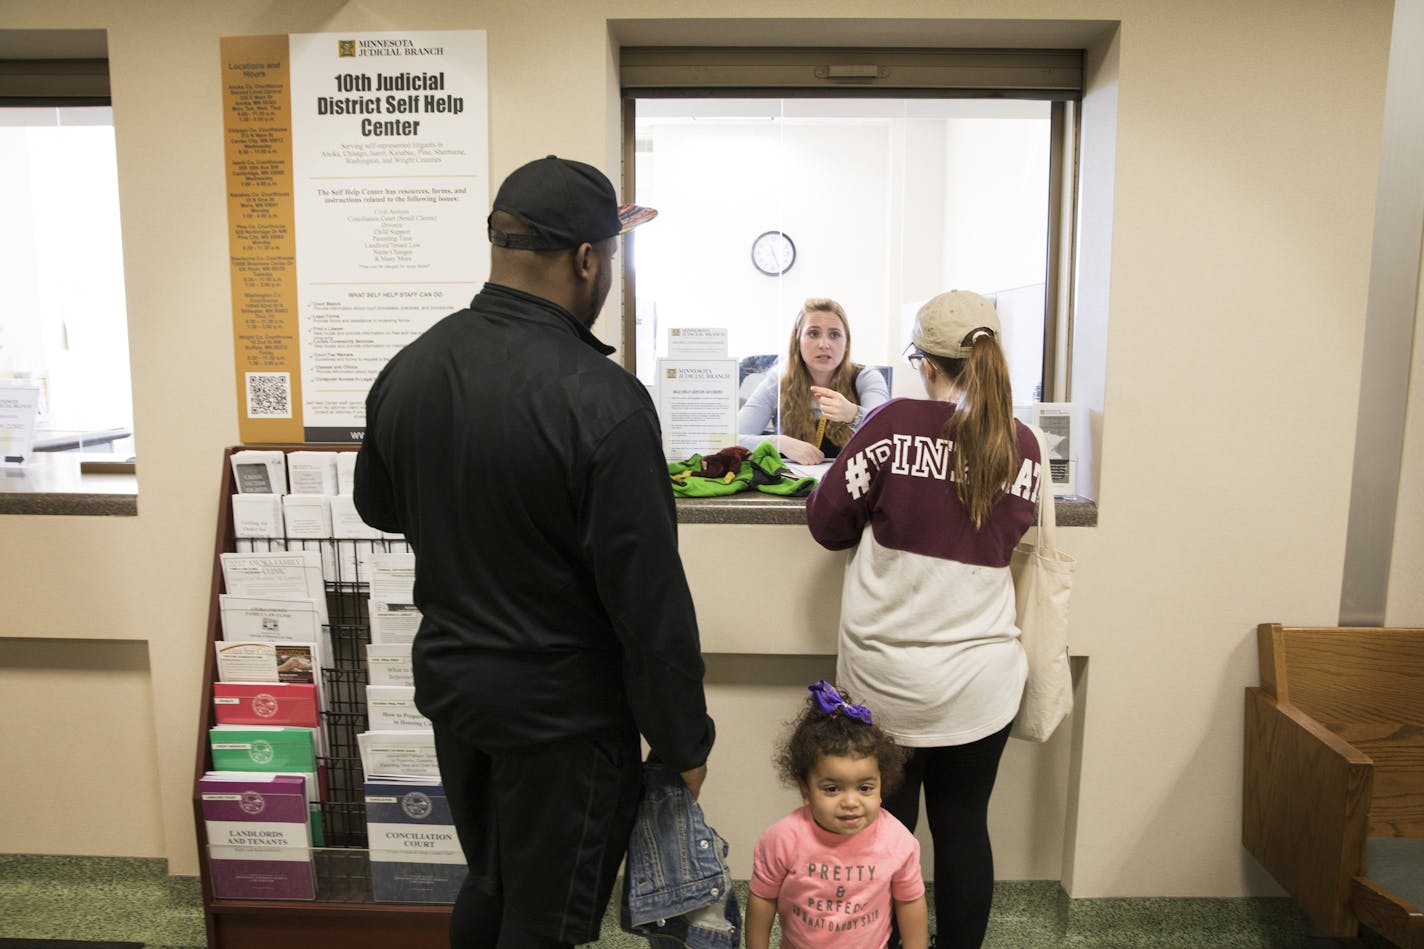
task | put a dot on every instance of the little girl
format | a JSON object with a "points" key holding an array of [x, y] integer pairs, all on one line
{"points": [[834, 869]]}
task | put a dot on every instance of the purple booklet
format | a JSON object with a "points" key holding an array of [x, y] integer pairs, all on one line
{"points": [[259, 835]]}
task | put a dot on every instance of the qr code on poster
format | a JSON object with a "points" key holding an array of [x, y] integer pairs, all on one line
{"points": [[269, 395]]}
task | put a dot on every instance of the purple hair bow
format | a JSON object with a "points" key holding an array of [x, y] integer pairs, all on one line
{"points": [[830, 702]]}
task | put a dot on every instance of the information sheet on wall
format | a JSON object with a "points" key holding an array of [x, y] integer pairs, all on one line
{"points": [[358, 176]]}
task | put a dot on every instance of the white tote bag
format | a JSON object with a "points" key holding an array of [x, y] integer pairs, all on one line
{"points": [[1043, 581]]}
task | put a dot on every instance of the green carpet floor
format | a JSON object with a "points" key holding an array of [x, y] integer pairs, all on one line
{"points": [[113, 898]]}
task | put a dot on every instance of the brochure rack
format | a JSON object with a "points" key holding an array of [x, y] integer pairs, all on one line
{"points": [[343, 913]]}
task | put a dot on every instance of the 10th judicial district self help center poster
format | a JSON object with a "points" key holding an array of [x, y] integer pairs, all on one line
{"points": [[357, 169]]}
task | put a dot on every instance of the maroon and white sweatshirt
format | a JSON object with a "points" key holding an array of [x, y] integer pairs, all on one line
{"points": [[928, 640]]}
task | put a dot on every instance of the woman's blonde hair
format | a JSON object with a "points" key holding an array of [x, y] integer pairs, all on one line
{"points": [[797, 419], [986, 443]]}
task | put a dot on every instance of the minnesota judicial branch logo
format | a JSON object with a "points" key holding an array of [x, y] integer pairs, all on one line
{"points": [[416, 805], [345, 48]]}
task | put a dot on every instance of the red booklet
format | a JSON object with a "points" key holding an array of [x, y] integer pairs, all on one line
{"points": [[266, 703]]}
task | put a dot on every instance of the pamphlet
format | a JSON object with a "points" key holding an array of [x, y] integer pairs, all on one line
{"points": [[356, 540], [409, 753], [260, 661], [257, 516], [294, 575], [259, 471], [393, 577], [311, 472], [308, 520], [389, 664], [346, 523], [266, 703], [392, 708], [270, 619], [271, 748], [414, 851], [345, 472], [259, 835], [393, 622]]}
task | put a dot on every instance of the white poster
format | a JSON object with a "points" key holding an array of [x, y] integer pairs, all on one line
{"points": [[697, 406], [358, 185], [390, 149]]}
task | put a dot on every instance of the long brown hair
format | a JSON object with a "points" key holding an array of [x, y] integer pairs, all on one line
{"points": [[797, 419], [982, 430]]}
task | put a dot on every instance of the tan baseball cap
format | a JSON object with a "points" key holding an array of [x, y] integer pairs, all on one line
{"points": [[943, 325]]}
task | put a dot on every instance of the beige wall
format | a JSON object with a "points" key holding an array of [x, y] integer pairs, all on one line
{"points": [[1223, 288], [1406, 583]]}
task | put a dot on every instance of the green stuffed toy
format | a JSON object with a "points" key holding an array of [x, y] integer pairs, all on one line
{"points": [[771, 476], [734, 470], [726, 472]]}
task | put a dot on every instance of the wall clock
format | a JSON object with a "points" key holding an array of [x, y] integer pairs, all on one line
{"points": [[773, 253]]}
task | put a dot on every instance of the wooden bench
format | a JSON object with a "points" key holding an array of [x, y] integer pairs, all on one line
{"points": [[1334, 775]]}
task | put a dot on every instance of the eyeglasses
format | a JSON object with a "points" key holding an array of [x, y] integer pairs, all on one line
{"points": [[914, 356]]}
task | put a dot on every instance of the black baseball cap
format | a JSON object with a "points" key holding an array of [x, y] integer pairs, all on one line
{"points": [[564, 204]]}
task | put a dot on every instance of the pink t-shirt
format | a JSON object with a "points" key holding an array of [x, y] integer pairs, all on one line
{"points": [[836, 890]]}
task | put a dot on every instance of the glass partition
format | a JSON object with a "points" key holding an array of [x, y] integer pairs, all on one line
{"points": [[878, 204], [64, 321]]}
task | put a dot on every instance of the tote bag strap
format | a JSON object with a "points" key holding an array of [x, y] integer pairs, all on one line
{"points": [[1047, 510]]}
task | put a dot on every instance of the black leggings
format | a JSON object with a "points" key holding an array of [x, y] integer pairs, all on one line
{"points": [[477, 922], [957, 780]]}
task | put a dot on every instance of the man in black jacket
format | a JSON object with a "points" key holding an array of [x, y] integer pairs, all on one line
{"points": [[526, 470]]}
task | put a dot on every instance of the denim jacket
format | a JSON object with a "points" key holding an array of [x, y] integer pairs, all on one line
{"points": [[677, 891]]}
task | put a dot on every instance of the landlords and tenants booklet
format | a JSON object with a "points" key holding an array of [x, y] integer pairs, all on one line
{"points": [[259, 838]]}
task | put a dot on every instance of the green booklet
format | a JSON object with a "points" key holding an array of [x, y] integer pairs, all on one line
{"points": [[273, 748]]}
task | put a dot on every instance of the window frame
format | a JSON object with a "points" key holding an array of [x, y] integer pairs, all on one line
{"points": [[42, 83], [1055, 75]]}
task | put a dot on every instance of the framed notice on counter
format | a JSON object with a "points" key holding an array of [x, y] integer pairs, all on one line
{"points": [[19, 403], [697, 406], [697, 342], [357, 176]]}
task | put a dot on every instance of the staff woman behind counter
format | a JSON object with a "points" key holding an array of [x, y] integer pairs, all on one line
{"points": [[822, 398]]}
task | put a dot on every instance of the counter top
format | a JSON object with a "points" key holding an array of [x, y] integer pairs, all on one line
{"points": [[755, 508], [52, 483]]}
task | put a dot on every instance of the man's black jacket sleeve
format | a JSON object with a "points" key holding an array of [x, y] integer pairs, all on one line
{"points": [[628, 526]]}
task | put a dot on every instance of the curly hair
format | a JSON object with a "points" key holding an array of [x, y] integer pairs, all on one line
{"points": [[813, 735]]}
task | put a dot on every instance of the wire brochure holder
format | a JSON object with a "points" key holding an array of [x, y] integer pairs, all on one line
{"points": [[344, 910]]}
